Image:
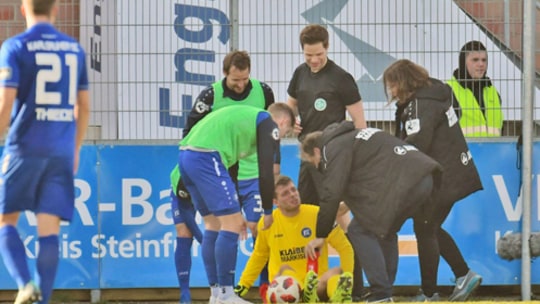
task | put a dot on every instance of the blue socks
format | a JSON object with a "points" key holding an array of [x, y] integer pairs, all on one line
{"points": [[225, 253], [14, 255], [47, 264], [182, 261], [208, 253]]}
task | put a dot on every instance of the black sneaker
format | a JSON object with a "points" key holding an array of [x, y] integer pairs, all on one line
{"points": [[362, 295], [385, 300]]}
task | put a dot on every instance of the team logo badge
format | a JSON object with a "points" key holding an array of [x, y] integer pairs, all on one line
{"points": [[412, 126], [183, 194], [465, 157], [306, 232], [275, 134], [5, 73], [201, 107], [320, 104], [399, 150]]}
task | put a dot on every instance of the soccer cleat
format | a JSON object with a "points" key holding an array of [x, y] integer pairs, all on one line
{"points": [[343, 293], [232, 299], [309, 294], [421, 297], [30, 293], [465, 286]]}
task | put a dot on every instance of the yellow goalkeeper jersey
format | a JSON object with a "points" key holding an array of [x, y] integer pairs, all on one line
{"points": [[284, 242]]}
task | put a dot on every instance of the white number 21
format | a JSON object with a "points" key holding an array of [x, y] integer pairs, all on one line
{"points": [[53, 74]]}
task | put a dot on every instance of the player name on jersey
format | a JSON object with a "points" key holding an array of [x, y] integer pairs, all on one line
{"points": [[48, 45], [50, 114]]}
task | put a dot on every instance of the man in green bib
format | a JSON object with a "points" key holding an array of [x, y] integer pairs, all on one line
{"points": [[213, 145], [238, 88]]}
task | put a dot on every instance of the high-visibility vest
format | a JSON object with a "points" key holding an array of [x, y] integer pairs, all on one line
{"points": [[255, 97], [473, 122], [248, 167]]}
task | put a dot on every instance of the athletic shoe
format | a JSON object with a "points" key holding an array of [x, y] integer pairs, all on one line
{"points": [[309, 294], [232, 299], [421, 297], [385, 300], [465, 286], [343, 293], [362, 297], [212, 300], [262, 292], [30, 293]]}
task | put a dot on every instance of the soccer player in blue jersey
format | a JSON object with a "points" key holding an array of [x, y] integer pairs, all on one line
{"points": [[44, 101]]}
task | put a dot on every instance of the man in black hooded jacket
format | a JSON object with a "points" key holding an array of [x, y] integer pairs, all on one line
{"points": [[383, 180]]}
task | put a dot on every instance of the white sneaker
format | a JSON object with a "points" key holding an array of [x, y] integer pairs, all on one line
{"points": [[232, 299], [30, 293]]}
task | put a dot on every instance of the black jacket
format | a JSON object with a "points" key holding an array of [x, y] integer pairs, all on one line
{"points": [[372, 171], [428, 121]]}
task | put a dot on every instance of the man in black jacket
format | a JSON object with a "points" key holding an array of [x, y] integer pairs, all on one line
{"points": [[383, 180]]}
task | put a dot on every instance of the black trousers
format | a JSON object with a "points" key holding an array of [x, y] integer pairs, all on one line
{"points": [[433, 241]]}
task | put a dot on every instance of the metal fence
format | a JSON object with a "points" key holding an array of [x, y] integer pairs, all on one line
{"points": [[148, 60]]}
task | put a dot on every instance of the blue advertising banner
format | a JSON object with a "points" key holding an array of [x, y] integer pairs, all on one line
{"points": [[77, 269], [122, 234]]}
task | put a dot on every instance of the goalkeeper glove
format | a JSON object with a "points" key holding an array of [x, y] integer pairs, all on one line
{"points": [[241, 290]]}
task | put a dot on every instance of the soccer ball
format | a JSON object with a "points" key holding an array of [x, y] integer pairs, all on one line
{"points": [[283, 289]]}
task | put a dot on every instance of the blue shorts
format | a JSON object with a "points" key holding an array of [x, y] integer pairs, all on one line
{"points": [[181, 208], [183, 212], [250, 198], [38, 184], [208, 182]]}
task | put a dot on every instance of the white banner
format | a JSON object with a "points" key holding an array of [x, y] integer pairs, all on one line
{"points": [[156, 56]]}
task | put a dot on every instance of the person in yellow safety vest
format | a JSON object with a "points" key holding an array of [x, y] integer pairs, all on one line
{"points": [[478, 102]]}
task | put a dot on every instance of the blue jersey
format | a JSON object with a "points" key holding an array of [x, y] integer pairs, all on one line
{"points": [[48, 69]]}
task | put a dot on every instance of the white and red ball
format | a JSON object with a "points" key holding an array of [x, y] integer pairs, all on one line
{"points": [[284, 289]]}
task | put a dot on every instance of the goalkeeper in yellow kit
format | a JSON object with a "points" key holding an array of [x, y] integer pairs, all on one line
{"points": [[282, 246]]}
